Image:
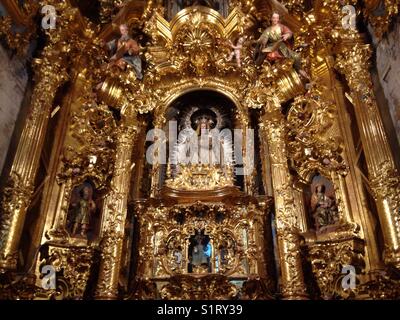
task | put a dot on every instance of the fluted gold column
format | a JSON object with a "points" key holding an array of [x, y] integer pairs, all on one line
{"points": [[286, 210], [49, 75], [115, 212], [383, 175]]}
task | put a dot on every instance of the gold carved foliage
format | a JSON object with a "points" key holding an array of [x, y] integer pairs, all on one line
{"points": [[386, 185], [171, 227], [327, 262], [380, 22], [216, 287], [353, 62], [289, 244], [196, 44], [90, 150], [14, 287], [73, 266], [314, 140], [20, 40], [195, 41], [14, 196], [109, 8], [201, 177], [16, 41], [382, 285], [196, 47], [192, 52], [321, 25]]}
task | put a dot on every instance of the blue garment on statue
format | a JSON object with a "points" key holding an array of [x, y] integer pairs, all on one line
{"points": [[133, 60], [207, 250]]}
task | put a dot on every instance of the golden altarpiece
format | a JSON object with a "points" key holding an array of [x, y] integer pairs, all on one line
{"points": [[318, 194]]}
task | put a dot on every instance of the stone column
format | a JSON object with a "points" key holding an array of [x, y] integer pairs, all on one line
{"points": [[49, 76], [286, 210], [383, 175], [115, 212]]}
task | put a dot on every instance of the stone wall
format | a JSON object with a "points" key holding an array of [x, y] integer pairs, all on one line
{"points": [[388, 75], [13, 83]]}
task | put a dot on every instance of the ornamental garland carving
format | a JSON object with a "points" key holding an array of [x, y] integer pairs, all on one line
{"points": [[90, 151], [314, 139]]}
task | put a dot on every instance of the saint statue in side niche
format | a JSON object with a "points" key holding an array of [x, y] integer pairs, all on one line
{"points": [[323, 208], [125, 51], [274, 45], [83, 209]]}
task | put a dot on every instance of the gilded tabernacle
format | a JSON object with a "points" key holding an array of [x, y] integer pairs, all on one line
{"points": [[199, 150]]}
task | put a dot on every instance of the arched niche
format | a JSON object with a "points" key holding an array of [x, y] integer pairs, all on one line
{"points": [[321, 205], [84, 211], [174, 95], [180, 113]]}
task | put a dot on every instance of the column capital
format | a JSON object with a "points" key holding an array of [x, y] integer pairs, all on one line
{"points": [[354, 63]]}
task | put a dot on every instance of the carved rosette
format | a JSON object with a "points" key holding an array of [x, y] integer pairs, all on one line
{"points": [[314, 142]]}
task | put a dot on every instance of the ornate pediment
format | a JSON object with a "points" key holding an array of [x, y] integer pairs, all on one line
{"points": [[195, 41]]}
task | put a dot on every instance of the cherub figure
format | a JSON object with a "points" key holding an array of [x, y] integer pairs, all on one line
{"points": [[237, 51]]}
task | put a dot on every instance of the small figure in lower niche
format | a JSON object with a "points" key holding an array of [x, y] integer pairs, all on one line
{"points": [[83, 211]]}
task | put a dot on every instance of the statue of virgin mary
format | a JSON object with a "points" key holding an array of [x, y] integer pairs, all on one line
{"points": [[202, 142]]}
